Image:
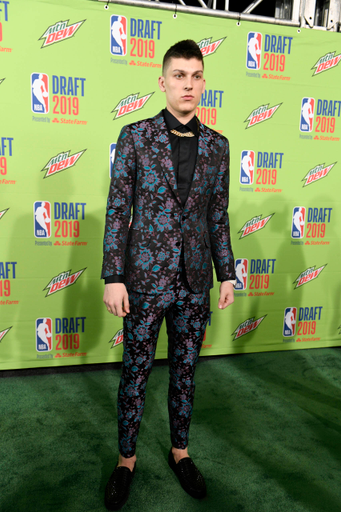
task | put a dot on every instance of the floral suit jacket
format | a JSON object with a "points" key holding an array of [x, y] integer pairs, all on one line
{"points": [[147, 252]]}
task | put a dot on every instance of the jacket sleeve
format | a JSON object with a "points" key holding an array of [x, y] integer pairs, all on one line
{"points": [[218, 221], [119, 204]]}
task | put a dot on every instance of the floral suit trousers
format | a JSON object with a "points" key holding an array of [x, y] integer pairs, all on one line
{"points": [[186, 316]]}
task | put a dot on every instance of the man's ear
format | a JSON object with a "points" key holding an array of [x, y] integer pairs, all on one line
{"points": [[161, 82]]}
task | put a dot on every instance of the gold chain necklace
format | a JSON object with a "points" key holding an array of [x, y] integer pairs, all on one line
{"points": [[179, 134]]}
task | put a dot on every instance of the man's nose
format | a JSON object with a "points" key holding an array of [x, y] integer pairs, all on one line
{"points": [[188, 83]]}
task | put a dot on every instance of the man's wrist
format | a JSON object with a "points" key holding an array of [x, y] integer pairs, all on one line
{"points": [[232, 281], [119, 278]]}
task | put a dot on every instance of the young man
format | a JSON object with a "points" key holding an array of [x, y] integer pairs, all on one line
{"points": [[174, 172]]}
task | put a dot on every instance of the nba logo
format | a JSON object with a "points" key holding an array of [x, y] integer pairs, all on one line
{"points": [[118, 35], [42, 219], [298, 221], [39, 93], [254, 50], [44, 334], [289, 323], [247, 165], [242, 266], [307, 115], [112, 150]]}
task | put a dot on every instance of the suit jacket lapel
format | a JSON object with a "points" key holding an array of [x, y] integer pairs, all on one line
{"points": [[162, 147], [200, 164]]}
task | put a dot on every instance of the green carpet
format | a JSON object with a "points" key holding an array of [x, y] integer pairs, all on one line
{"points": [[266, 433]]}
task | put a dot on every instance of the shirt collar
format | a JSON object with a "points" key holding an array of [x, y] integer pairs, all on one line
{"points": [[173, 123]]}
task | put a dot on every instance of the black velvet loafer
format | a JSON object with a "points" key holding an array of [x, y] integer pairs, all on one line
{"points": [[189, 476], [117, 488]]}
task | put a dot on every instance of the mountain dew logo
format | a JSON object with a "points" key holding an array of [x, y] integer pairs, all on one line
{"points": [[260, 114], [3, 333], [59, 32], [207, 48], [247, 326], [61, 162], [319, 172], [117, 339], [63, 280], [2, 212], [253, 225], [328, 61], [1, 80], [130, 104], [308, 275]]}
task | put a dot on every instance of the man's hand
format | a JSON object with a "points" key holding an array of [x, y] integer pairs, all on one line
{"points": [[226, 295], [116, 299]]}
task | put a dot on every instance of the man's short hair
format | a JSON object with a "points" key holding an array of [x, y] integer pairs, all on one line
{"points": [[186, 49]]}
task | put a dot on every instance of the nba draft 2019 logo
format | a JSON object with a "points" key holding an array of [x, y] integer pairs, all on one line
{"points": [[317, 220], [307, 114], [289, 322], [42, 219], [59, 31], [241, 268], [141, 41], [44, 335], [254, 50], [118, 39], [298, 222], [40, 93], [247, 167], [328, 61]]}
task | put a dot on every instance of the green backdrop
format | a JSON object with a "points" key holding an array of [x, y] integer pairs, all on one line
{"points": [[67, 87]]}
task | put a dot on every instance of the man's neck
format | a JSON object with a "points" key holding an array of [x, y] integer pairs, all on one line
{"points": [[183, 118]]}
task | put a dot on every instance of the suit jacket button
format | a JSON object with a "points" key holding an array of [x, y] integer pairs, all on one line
{"points": [[178, 244]]}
